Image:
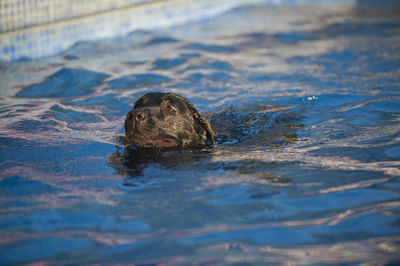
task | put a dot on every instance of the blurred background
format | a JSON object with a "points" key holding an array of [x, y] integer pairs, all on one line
{"points": [[38, 28]]}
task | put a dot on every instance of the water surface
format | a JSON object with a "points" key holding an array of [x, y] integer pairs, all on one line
{"points": [[305, 102]]}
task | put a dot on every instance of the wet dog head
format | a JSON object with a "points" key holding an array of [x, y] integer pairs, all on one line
{"points": [[167, 120]]}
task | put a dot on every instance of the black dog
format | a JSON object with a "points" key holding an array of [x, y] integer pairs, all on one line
{"points": [[167, 120]]}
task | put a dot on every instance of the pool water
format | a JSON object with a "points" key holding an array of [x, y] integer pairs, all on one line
{"points": [[305, 101]]}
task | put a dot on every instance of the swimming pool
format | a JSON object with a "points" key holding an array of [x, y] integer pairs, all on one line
{"points": [[305, 102]]}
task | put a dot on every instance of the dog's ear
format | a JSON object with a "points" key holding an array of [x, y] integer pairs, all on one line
{"points": [[205, 125], [201, 119]]}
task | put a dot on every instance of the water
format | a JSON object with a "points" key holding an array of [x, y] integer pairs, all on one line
{"points": [[305, 102]]}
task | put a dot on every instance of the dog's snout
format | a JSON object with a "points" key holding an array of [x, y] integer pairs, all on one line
{"points": [[137, 115], [140, 116]]}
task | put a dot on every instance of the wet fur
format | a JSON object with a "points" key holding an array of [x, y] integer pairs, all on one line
{"points": [[167, 120]]}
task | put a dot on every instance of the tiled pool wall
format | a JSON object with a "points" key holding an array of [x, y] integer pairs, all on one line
{"points": [[39, 28], [18, 14]]}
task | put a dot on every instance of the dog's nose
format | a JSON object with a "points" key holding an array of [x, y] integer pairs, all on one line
{"points": [[137, 115], [140, 116]]}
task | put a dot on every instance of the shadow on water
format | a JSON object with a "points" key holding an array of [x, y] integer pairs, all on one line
{"points": [[132, 162], [237, 129]]}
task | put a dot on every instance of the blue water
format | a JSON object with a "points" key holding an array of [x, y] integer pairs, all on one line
{"points": [[306, 105]]}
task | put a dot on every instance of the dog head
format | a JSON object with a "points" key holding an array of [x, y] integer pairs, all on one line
{"points": [[167, 120]]}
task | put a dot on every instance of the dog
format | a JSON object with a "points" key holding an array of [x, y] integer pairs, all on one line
{"points": [[167, 120]]}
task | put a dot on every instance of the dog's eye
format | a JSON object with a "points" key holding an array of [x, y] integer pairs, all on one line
{"points": [[170, 109]]}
